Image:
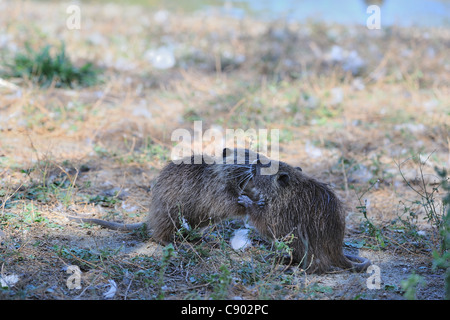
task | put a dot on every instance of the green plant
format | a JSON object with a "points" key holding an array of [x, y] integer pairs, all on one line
{"points": [[408, 218], [427, 197], [31, 215], [221, 283], [437, 215], [45, 69], [373, 230], [410, 286], [283, 246], [104, 200], [84, 257], [167, 254], [442, 258]]}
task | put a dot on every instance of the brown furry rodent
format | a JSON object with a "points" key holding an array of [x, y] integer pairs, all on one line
{"points": [[199, 191], [279, 204], [296, 204]]}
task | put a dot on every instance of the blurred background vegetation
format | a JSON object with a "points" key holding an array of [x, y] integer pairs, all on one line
{"points": [[86, 116]]}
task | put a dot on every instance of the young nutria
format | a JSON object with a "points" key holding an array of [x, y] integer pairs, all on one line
{"points": [[200, 194], [298, 205], [281, 203], [199, 191]]}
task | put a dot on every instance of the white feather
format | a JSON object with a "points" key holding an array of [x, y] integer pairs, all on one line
{"points": [[240, 240], [112, 290], [8, 281]]}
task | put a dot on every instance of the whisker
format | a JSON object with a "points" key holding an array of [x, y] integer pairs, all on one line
{"points": [[246, 179]]}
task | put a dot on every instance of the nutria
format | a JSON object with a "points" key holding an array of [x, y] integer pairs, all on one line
{"points": [[279, 204], [292, 203], [199, 191]]}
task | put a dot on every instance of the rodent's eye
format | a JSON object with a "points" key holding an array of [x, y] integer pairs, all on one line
{"points": [[298, 168], [283, 179]]}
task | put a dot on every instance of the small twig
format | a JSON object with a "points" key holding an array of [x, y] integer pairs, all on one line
{"points": [[87, 287], [232, 110], [9, 85], [345, 179], [128, 288], [189, 288], [84, 261], [403, 176]]}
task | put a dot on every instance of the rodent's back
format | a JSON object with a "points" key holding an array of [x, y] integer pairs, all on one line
{"points": [[196, 194]]}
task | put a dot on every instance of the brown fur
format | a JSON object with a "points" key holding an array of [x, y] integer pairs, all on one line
{"points": [[298, 205], [282, 203], [197, 194]]}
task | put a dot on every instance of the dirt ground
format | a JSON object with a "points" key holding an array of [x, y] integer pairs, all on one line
{"points": [[375, 131]]}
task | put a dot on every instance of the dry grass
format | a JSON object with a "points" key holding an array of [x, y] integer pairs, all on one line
{"points": [[96, 150]]}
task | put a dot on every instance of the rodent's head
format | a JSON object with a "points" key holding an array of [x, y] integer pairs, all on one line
{"points": [[242, 156], [244, 164], [259, 163], [285, 179], [289, 191], [255, 173]]}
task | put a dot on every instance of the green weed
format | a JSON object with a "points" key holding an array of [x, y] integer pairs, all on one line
{"points": [[427, 198], [410, 286], [104, 201], [370, 227], [45, 69], [442, 258], [167, 254], [438, 216], [221, 282], [85, 258]]}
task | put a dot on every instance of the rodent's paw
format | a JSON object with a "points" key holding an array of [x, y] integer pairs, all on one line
{"points": [[245, 201], [261, 202]]}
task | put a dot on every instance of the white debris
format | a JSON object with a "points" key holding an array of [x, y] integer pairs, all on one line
{"points": [[358, 84], [112, 290], [240, 240], [337, 96], [412, 127], [185, 224], [361, 174], [142, 111], [129, 207], [97, 39], [161, 58], [431, 105], [312, 151], [9, 85], [336, 54], [353, 63], [349, 60], [8, 281], [161, 17]]}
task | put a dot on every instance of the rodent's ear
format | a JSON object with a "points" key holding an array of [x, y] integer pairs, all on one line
{"points": [[283, 179], [298, 168]]}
